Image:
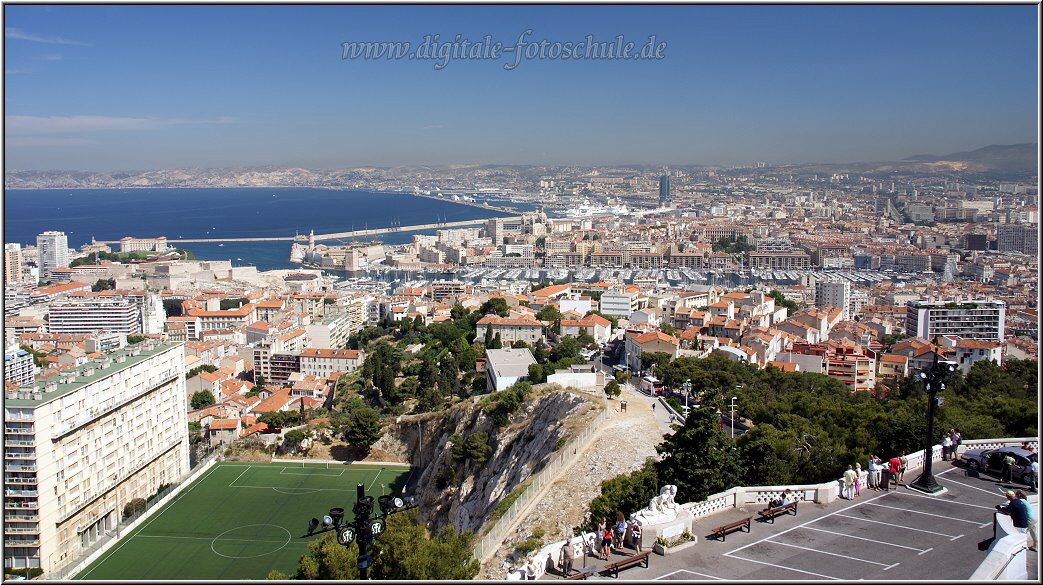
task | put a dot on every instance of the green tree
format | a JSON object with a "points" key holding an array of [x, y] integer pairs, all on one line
{"points": [[612, 389], [196, 370], [407, 552], [364, 427], [292, 439], [536, 374], [548, 313], [497, 305], [625, 493], [104, 284], [202, 399], [497, 342], [699, 458], [327, 559], [567, 348], [488, 337]]}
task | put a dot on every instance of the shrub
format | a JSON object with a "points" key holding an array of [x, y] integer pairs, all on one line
{"points": [[133, 507]]}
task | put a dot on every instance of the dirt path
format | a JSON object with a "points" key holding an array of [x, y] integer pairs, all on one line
{"points": [[621, 446]]}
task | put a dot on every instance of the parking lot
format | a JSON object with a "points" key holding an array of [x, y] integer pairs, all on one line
{"points": [[902, 534]]}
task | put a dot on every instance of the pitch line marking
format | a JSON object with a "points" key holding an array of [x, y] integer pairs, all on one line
{"points": [[127, 539], [828, 553], [949, 536], [375, 479], [729, 555], [240, 475], [861, 538], [928, 514], [688, 571]]}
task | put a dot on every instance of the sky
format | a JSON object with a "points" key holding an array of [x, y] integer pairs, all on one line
{"points": [[110, 88]]}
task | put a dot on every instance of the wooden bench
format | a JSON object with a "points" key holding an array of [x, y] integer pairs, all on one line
{"points": [[771, 513], [578, 576], [741, 524], [638, 559]]}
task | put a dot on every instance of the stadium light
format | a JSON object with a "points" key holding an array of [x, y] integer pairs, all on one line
{"points": [[933, 382], [365, 526]]}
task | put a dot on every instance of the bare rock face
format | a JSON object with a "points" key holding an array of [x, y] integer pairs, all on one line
{"points": [[470, 489]]}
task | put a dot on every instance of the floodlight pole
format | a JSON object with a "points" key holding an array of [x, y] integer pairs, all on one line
{"points": [[932, 383]]}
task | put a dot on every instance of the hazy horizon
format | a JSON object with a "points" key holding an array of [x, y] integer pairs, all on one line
{"points": [[124, 88]]}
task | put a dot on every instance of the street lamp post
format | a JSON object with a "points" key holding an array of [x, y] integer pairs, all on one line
{"points": [[366, 526], [734, 398], [932, 383]]}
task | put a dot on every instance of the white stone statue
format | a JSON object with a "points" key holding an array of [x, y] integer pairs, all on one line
{"points": [[661, 508]]}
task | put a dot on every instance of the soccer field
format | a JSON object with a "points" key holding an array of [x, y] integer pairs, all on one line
{"points": [[239, 521]]}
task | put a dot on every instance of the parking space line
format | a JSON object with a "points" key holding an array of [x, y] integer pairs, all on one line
{"points": [[828, 553], [861, 538], [927, 514], [729, 555], [688, 571], [923, 552], [949, 536], [973, 487], [947, 471], [946, 501], [806, 523]]}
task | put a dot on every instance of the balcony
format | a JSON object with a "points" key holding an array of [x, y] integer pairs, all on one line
{"points": [[17, 455], [19, 468], [13, 530], [21, 493], [14, 443], [14, 543], [19, 430], [13, 505], [21, 517], [20, 480]]}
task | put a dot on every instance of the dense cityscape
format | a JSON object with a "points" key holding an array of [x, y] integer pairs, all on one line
{"points": [[495, 371]]}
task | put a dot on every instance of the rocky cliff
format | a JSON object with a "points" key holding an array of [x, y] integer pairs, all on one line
{"points": [[463, 492]]}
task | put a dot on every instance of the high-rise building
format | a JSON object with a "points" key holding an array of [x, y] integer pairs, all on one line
{"points": [[12, 264], [53, 249], [835, 293], [978, 319], [1017, 238], [18, 366], [78, 449], [92, 315], [664, 190]]}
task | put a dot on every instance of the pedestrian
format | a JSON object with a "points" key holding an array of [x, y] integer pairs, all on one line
{"points": [[1026, 446], [957, 438], [849, 483], [653, 408], [513, 574], [858, 479], [946, 447], [894, 465], [872, 469], [621, 529], [635, 534], [904, 463], [606, 540], [530, 570], [1008, 468], [565, 558], [599, 534], [1034, 474], [1019, 511], [1033, 523]]}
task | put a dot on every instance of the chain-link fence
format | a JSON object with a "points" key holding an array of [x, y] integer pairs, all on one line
{"points": [[72, 565]]}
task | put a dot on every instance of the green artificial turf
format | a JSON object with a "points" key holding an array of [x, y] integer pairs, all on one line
{"points": [[240, 521]]}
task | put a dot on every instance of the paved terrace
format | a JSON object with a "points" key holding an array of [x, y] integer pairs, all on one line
{"points": [[897, 535]]}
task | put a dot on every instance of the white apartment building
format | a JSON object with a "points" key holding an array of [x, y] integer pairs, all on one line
{"points": [[835, 293], [18, 366], [619, 302], [53, 249], [977, 319], [78, 449], [91, 315]]}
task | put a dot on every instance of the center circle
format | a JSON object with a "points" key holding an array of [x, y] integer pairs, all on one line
{"points": [[265, 538]]}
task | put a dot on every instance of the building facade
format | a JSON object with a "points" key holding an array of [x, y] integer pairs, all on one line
{"points": [[53, 249], [79, 449], [979, 319], [89, 316]]}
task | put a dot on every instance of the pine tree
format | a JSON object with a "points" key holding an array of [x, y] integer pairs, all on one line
{"points": [[699, 458]]}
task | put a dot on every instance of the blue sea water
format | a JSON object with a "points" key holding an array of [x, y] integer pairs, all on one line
{"points": [[110, 214]]}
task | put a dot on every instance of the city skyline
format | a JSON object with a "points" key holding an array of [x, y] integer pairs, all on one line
{"points": [[115, 88]]}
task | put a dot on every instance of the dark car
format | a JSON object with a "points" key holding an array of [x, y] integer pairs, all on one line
{"points": [[991, 461]]}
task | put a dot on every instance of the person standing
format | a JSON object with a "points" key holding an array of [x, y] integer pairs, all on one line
{"points": [[1033, 525], [1008, 468], [635, 534], [893, 466], [1018, 510], [903, 464], [849, 483], [530, 570], [874, 470], [1034, 474], [621, 529], [946, 447], [606, 540], [513, 574], [956, 440], [565, 558], [858, 479]]}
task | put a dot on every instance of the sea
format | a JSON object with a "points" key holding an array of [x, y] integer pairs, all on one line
{"points": [[110, 214]]}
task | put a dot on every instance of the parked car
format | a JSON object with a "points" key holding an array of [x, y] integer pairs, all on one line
{"points": [[991, 461]]}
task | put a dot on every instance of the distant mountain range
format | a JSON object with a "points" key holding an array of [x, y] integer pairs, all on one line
{"points": [[997, 157]]}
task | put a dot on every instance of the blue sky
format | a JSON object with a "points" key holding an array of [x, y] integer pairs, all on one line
{"points": [[142, 87]]}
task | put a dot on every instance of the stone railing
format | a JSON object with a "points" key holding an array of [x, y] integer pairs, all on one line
{"points": [[494, 537], [1006, 559]]}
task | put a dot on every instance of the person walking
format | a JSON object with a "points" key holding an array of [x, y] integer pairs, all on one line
{"points": [[893, 466], [858, 479], [1030, 512], [565, 558], [903, 464], [1008, 468], [849, 483], [635, 534], [946, 447]]}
